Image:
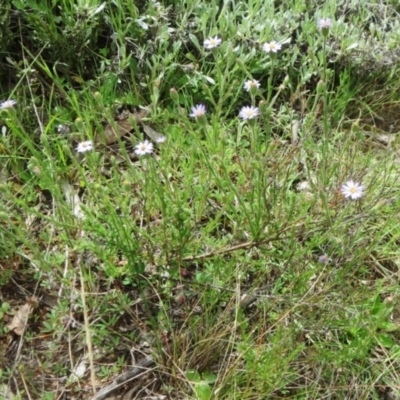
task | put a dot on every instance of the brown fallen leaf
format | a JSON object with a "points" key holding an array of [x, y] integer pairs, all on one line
{"points": [[121, 127], [113, 132], [18, 323]]}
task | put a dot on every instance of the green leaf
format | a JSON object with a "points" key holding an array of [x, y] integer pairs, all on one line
{"points": [[193, 376], [209, 377], [385, 340], [203, 391], [389, 326], [195, 41]]}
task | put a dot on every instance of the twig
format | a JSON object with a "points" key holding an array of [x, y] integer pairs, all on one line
{"points": [[246, 245], [254, 243], [125, 377], [89, 345], [222, 251]]}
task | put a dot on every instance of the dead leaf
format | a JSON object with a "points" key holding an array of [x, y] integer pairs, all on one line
{"points": [[78, 372], [18, 323], [295, 131], [385, 138], [3, 175], [73, 200], [154, 135], [121, 127], [112, 133], [6, 393]]}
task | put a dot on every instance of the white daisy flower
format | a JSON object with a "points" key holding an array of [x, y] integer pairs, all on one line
{"points": [[271, 47], [212, 42], [198, 111], [251, 84], [7, 104], [83, 147], [352, 190], [143, 148], [324, 23], [249, 112], [161, 139]]}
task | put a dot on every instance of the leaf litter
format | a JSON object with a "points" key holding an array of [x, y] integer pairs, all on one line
{"points": [[19, 322]]}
